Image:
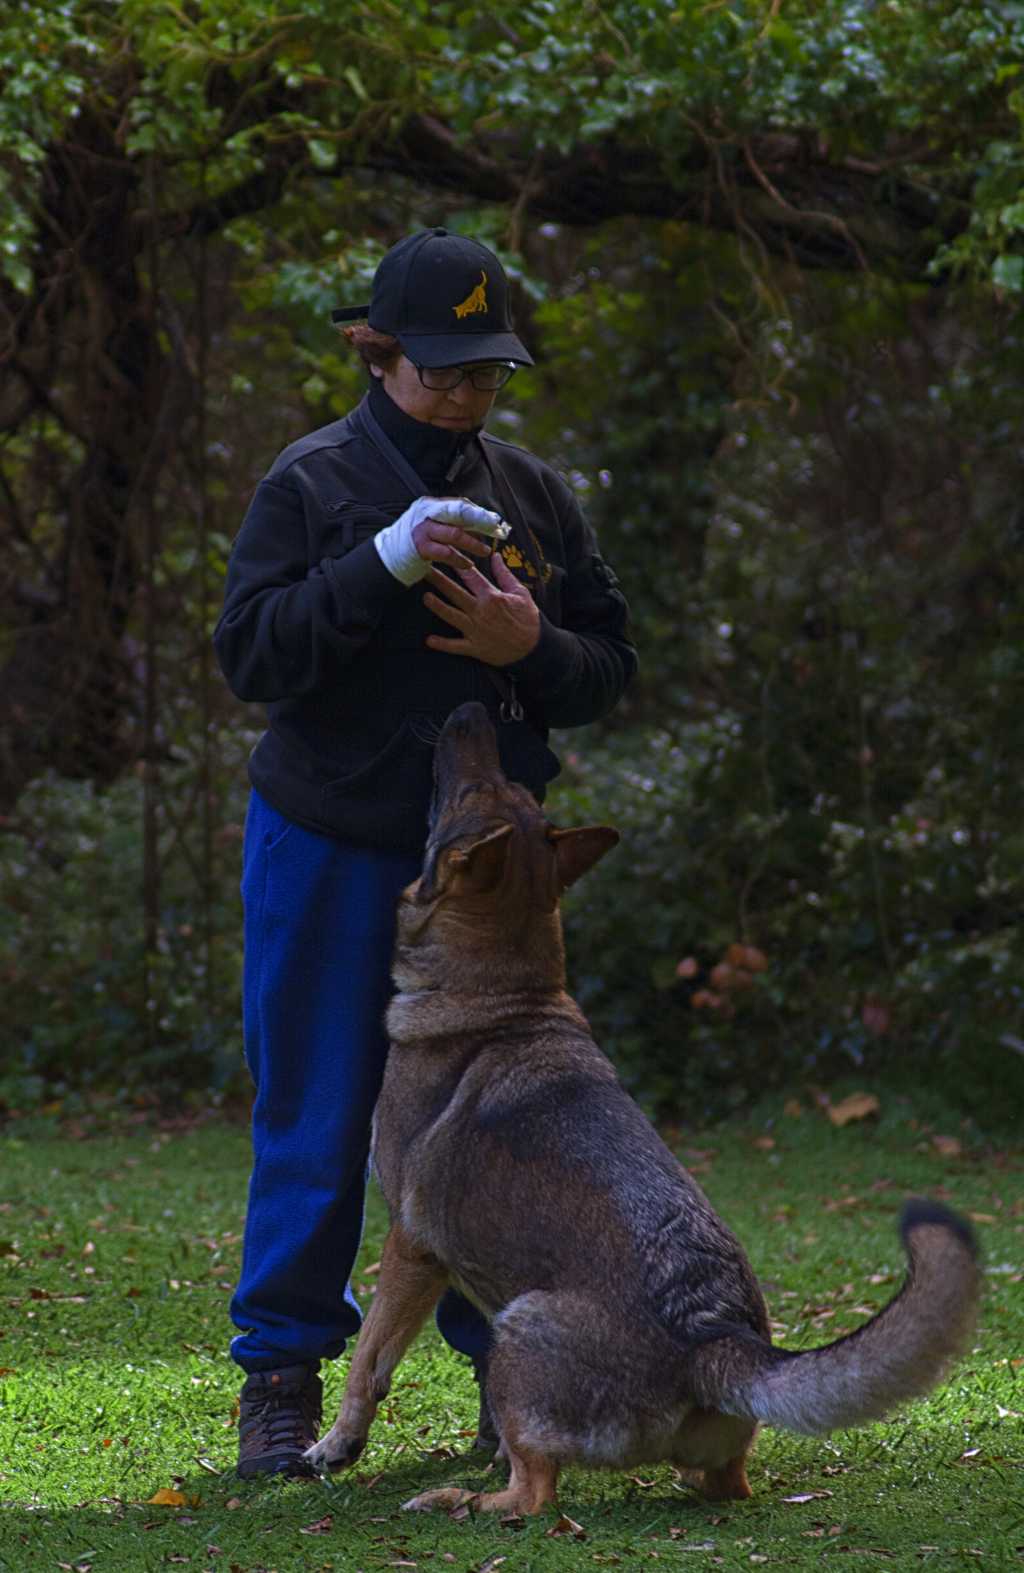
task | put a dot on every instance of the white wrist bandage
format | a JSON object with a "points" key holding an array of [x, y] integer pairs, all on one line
{"points": [[398, 550]]}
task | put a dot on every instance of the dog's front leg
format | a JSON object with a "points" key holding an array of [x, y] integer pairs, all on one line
{"points": [[409, 1286]]}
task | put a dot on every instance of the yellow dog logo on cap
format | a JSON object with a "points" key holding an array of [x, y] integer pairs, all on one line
{"points": [[475, 301]]}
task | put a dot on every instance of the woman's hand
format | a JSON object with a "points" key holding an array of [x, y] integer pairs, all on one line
{"points": [[499, 623], [437, 542], [435, 529]]}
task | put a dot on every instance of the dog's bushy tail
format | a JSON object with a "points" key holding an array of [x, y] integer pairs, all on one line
{"points": [[898, 1354]]}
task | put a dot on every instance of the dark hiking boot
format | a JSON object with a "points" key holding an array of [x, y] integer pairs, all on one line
{"points": [[278, 1418]]}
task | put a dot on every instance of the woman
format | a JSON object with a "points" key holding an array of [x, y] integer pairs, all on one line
{"points": [[391, 566]]}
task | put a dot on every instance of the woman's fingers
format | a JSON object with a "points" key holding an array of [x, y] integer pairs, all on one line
{"points": [[445, 542], [474, 586]]}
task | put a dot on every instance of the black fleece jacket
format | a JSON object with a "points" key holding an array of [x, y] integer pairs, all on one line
{"points": [[316, 628]]}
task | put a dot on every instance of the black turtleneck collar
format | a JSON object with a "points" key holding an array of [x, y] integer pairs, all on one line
{"points": [[430, 450]]}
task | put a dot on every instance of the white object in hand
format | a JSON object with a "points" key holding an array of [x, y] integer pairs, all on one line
{"points": [[398, 550]]}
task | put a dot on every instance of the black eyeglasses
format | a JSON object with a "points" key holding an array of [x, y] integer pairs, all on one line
{"points": [[487, 378]]}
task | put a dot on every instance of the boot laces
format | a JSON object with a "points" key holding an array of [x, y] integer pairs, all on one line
{"points": [[285, 1417]]}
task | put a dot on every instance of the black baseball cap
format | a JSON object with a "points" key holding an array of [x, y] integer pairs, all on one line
{"points": [[444, 297]]}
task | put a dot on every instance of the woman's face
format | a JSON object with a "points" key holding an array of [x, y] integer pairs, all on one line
{"points": [[453, 409]]}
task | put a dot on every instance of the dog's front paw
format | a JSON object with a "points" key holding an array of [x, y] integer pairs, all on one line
{"points": [[336, 1450]]}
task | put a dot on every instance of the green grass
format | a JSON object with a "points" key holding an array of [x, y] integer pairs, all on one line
{"points": [[117, 1251]]}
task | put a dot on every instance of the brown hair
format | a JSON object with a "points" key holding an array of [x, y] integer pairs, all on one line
{"points": [[373, 348]]}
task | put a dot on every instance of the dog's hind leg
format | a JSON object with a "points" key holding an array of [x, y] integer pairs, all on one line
{"points": [[568, 1381], [409, 1286], [728, 1484], [531, 1487], [716, 1445]]}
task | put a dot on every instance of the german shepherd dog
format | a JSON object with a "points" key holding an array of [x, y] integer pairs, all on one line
{"points": [[628, 1326]]}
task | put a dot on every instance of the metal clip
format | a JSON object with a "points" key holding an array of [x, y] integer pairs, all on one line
{"points": [[511, 710]]}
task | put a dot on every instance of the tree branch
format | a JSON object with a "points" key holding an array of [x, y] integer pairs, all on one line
{"points": [[785, 188]]}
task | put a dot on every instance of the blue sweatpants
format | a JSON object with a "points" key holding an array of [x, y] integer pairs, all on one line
{"points": [[319, 930]]}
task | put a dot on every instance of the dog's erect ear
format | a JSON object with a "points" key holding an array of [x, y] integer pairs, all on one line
{"points": [[576, 851], [480, 867]]}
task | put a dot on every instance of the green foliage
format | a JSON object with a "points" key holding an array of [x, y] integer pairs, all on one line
{"points": [[841, 786], [84, 1006], [629, 403], [212, 91], [815, 518], [883, 951]]}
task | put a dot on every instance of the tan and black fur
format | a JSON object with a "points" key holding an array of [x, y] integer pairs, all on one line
{"points": [[628, 1325]]}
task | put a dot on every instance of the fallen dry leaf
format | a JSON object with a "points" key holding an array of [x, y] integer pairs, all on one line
{"points": [[491, 1564], [322, 1526], [763, 1143], [167, 1498], [858, 1106], [808, 1496], [948, 1146], [793, 1108], [566, 1526]]}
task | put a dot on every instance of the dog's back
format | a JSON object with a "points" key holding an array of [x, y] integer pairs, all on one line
{"points": [[533, 1166]]}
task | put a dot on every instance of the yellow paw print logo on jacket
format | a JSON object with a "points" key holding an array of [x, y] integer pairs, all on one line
{"points": [[516, 562]]}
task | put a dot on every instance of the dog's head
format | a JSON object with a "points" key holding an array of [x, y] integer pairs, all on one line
{"points": [[490, 848]]}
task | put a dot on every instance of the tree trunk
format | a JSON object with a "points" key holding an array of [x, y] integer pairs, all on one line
{"points": [[66, 683]]}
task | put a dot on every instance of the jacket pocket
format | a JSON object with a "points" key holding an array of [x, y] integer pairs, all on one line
{"points": [[389, 790], [346, 523]]}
